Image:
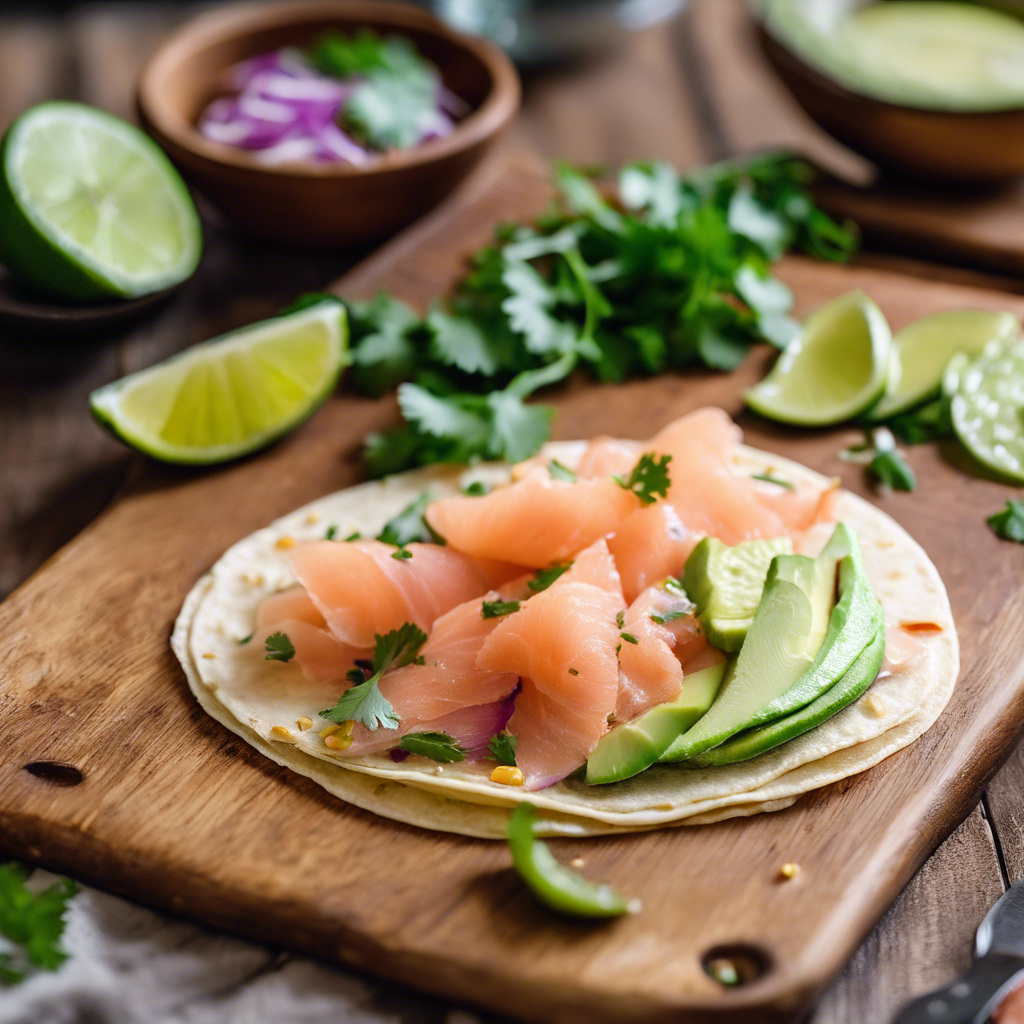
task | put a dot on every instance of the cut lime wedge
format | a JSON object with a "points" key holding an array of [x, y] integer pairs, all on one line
{"points": [[987, 408], [233, 394], [923, 349], [92, 208], [835, 368]]}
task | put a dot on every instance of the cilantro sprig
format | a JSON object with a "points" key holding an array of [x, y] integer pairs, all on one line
{"points": [[543, 578], [279, 647], [649, 479], [410, 525], [32, 922], [668, 273], [496, 609], [1009, 522], [364, 702], [502, 749]]}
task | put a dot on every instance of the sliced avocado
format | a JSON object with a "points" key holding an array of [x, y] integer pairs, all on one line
{"points": [[725, 583], [633, 746], [781, 645], [860, 675]]}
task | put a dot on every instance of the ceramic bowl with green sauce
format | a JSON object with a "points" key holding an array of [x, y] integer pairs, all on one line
{"points": [[930, 89]]}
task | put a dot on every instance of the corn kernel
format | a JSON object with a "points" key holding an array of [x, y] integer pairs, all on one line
{"points": [[338, 742], [506, 775], [345, 729], [304, 723], [329, 730], [279, 732], [313, 518], [208, 654], [284, 543], [788, 871]]}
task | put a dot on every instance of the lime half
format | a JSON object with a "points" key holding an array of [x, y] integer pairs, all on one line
{"points": [[924, 348], [835, 368], [987, 408], [91, 208], [233, 394]]}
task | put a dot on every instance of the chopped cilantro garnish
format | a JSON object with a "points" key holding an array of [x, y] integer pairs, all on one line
{"points": [[1009, 523], [769, 479], [332, 532], [502, 749], [32, 922], [355, 535], [401, 554], [246, 639], [668, 617], [279, 647], [620, 619], [355, 676], [930, 422], [629, 638], [364, 702], [438, 746], [495, 609], [560, 472], [476, 489], [545, 577], [410, 526], [649, 479], [891, 470]]}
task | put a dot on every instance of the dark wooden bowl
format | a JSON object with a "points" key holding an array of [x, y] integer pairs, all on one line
{"points": [[321, 205], [954, 148]]}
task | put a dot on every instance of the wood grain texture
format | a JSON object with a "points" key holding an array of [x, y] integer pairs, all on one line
{"points": [[983, 228], [178, 813]]}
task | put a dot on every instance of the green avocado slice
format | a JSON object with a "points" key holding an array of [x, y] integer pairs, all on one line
{"points": [[765, 696], [726, 583], [633, 746], [781, 645], [857, 679]]}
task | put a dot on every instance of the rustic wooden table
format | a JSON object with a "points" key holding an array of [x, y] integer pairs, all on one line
{"points": [[688, 93]]}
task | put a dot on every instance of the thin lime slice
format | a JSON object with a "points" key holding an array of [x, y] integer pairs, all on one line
{"points": [[835, 368], [233, 394], [923, 349], [987, 408], [92, 208]]}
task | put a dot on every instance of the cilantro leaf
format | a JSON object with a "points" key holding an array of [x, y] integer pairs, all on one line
{"points": [[33, 922], [410, 526], [438, 746], [384, 344], [496, 609], [1009, 523], [331, 532], [279, 647], [889, 468], [545, 577], [668, 617], [463, 342], [629, 638], [529, 309], [476, 489], [364, 702], [502, 749], [931, 422], [560, 472], [649, 479], [517, 430]]}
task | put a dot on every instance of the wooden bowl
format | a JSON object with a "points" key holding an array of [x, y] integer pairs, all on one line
{"points": [[321, 205], [955, 148]]}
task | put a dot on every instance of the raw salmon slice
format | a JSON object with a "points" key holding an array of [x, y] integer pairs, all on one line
{"points": [[668, 636], [534, 522], [447, 682], [561, 643], [319, 654], [650, 545], [361, 589], [608, 456]]}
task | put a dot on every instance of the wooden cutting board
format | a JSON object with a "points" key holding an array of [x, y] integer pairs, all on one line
{"points": [[746, 108], [151, 799]]}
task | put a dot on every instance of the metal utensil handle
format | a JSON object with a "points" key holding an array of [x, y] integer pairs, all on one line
{"points": [[968, 1000]]}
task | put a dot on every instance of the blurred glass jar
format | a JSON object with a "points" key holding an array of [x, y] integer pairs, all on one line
{"points": [[544, 32]]}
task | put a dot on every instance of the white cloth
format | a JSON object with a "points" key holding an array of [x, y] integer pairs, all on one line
{"points": [[130, 965]]}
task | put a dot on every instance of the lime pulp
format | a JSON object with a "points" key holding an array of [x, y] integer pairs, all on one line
{"points": [[834, 369], [231, 395]]}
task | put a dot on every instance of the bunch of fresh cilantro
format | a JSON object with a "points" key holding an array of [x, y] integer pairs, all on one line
{"points": [[667, 273]]}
